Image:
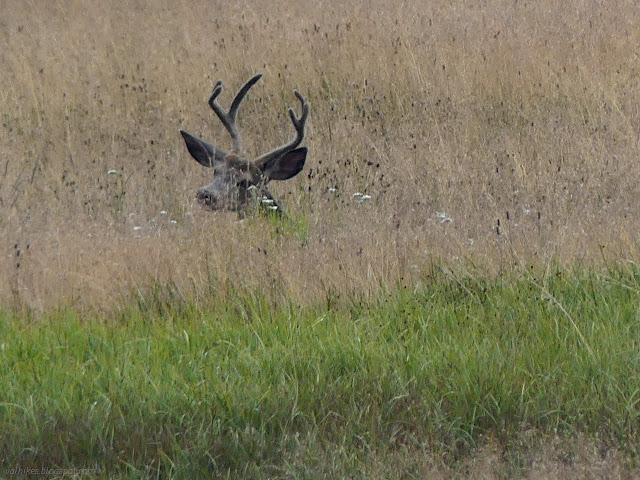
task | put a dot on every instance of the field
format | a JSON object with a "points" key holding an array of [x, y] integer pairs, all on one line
{"points": [[476, 317]]}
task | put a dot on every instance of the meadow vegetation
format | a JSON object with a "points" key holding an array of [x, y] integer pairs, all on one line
{"points": [[480, 306], [421, 382]]}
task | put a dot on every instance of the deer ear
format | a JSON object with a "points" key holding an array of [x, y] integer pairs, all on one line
{"points": [[203, 152], [286, 166]]}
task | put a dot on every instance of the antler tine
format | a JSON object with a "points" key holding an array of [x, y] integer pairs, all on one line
{"points": [[228, 119], [299, 123]]}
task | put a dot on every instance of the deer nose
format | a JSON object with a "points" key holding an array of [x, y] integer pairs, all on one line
{"points": [[205, 199]]}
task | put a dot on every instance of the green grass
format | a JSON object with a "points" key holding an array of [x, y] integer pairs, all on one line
{"points": [[241, 386]]}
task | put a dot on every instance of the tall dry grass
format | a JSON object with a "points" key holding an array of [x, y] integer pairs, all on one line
{"points": [[499, 134]]}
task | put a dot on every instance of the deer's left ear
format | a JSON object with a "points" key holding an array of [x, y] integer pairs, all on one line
{"points": [[286, 166]]}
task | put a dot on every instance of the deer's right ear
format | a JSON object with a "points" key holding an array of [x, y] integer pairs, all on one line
{"points": [[203, 152]]}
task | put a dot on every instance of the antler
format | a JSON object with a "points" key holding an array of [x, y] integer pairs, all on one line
{"points": [[228, 119], [299, 124]]}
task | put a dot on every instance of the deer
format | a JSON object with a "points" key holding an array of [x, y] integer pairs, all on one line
{"points": [[236, 179]]}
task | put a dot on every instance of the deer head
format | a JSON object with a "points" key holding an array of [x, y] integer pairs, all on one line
{"points": [[236, 180]]}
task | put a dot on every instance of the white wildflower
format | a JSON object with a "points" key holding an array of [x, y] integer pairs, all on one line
{"points": [[360, 197], [444, 218]]}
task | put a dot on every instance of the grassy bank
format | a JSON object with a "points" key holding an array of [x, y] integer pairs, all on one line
{"points": [[242, 386], [418, 333]]}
